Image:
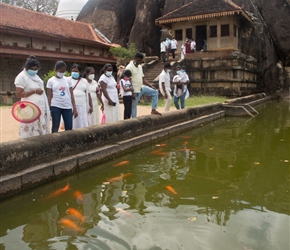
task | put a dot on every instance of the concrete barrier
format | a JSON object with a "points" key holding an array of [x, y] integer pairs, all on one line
{"points": [[29, 162]]}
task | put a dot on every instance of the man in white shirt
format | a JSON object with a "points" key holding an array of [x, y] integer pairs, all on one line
{"points": [[141, 86], [173, 47], [192, 46], [163, 50], [164, 85]]}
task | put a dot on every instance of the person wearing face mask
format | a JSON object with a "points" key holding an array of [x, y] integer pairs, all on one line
{"points": [[126, 92], [141, 86], [61, 98], [95, 93], [180, 89], [29, 87], [164, 85], [109, 94], [82, 97]]}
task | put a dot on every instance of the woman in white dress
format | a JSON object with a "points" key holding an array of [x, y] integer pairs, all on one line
{"points": [[95, 92], [109, 94], [29, 87], [82, 97]]}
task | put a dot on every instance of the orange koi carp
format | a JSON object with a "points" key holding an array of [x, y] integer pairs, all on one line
{"points": [[59, 191], [159, 152], [122, 163], [117, 178], [120, 210], [171, 189], [75, 213], [70, 224], [79, 196]]}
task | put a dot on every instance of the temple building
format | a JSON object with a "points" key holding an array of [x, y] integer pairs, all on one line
{"points": [[50, 39], [217, 66]]}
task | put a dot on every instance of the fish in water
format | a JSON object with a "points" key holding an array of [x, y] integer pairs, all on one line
{"points": [[120, 210], [171, 189], [122, 163], [79, 196], [59, 191], [75, 213], [70, 224], [159, 152], [117, 178]]}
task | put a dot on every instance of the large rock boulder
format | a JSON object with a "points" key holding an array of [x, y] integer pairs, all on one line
{"points": [[267, 38]]}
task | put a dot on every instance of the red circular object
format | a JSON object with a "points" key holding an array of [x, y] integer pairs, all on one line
{"points": [[25, 112]]}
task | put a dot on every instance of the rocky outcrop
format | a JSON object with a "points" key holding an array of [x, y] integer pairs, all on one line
{"points": [[267, 39]]}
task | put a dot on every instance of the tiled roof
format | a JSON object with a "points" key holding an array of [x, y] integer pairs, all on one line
{"points": [[14, 19], [201, 9]]}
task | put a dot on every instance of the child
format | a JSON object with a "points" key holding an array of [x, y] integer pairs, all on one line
{"points": [[126, 91]]}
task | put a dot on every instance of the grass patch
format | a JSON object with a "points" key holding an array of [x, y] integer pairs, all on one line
{"points": [[191, 101]]}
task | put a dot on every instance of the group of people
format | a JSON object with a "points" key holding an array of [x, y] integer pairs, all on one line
{"points": [[189, 46], [167, 46], [74, 100], [71, 100]]}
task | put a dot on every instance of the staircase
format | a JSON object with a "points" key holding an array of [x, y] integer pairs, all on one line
{"points": [[153, 69]]}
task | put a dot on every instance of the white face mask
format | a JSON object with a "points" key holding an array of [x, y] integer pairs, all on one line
{"points": [[109, 73], [60, 75], [91, 76], [168, 71]]}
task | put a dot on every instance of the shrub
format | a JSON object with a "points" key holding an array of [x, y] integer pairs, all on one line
{"points": [[124, 53]]}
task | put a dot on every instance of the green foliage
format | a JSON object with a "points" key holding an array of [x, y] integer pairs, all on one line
{"points": [[124, 53]]}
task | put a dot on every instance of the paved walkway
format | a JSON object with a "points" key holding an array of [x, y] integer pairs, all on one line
{"points": [[9, 126]]}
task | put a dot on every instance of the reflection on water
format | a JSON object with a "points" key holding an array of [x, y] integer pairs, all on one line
{"points": [[222, 186]]}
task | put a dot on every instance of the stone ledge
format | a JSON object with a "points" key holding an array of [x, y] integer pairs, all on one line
{"points": [[80, 149]]}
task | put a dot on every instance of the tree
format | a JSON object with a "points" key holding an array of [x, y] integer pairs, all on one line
{"points": [[45, 6]]}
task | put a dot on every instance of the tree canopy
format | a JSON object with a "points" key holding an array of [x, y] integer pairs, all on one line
{"points": [[45, 6]]}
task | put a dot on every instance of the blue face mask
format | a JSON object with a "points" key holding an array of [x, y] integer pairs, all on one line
{"points": [[109, 73], [32, 72], [182, 70], [75, 75]]}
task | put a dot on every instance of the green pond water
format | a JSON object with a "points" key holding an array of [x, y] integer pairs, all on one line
{"points": [[224, 185]]}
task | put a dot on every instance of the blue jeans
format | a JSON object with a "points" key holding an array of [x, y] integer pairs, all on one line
{"points": [[145, 90], [66, 114], [182, 99]]}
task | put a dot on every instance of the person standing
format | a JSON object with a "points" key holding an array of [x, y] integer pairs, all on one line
{"points": [[192, 46], [119, 75], [184, 79], [141, 86], [127, 90], [95, 93], [182, 51], [187, 47], [173, 47], [109, 94], [29, 87], [163, 50], [82, 97], [180, 91], [61, 98], [168, 47], [164, 85]]}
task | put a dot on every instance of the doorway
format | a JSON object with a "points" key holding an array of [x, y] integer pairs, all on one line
{"points": [[200, 37]]}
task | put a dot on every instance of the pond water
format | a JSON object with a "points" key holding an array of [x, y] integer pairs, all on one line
{"points": [[221, 186]]}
